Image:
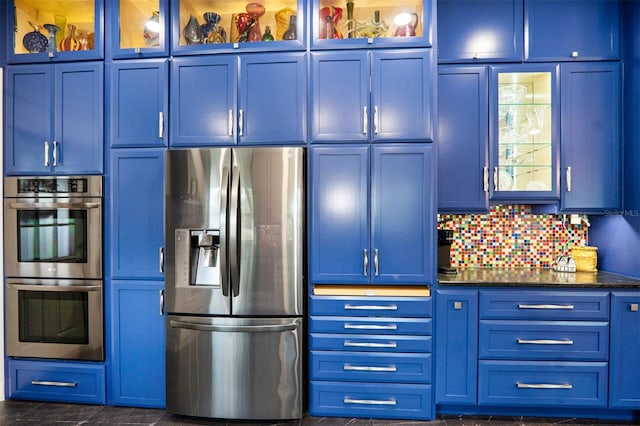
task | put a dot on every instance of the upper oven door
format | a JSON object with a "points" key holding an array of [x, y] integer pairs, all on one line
{"points": [[53, 237]]}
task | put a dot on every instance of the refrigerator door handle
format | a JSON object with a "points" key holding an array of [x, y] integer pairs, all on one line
{"points": [[224, 203], [233, 328], [234, 231]]}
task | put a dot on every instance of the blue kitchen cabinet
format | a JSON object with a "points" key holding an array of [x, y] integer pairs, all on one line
{"points": [[372, 96], [246, 99], [563, 30], [54, 119], [80, 23], [136, 237], [591, 137], [138, 103], [480, 31], [624, 375], [463, 139], [136, 374], [142, 29], [524, 133], [456, 347], [372, 214], [385, 23]]}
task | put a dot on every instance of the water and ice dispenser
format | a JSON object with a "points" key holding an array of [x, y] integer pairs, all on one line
{"points": [[197, 257]]}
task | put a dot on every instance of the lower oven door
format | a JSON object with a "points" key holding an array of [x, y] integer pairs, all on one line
{"points": [[59, 319]]}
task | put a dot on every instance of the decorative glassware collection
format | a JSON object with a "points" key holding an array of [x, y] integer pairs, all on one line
{"points": [[245, 27], [61, 37]]}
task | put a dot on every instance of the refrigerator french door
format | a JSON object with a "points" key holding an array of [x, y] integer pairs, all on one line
{"points": [[234, 282]]}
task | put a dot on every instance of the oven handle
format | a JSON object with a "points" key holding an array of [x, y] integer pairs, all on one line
{"points": [[54, 205], [35, 287]]}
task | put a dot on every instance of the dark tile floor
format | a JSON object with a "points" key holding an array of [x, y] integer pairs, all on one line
{"points": [[15, 412]]}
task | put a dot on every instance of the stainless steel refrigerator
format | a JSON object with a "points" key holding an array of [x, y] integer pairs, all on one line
{"points": [[234, 235]]}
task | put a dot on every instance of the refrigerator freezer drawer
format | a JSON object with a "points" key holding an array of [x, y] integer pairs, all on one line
{"points": [[235, 368]]}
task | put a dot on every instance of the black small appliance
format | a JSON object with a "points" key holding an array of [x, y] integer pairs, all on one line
{"points": [[445, 238]]}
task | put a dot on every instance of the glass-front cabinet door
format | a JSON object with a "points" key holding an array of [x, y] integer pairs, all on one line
{"points": [[524, 133], [372, 23], [45, 30], [137, 28], [207, 26]]}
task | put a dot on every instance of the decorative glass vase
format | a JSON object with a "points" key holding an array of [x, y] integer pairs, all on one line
{"points": [[292, 31]]}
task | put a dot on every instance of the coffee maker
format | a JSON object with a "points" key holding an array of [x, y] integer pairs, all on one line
{"points": [[445, 238]]}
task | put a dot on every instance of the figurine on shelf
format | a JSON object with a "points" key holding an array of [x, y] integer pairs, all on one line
{"points": [[371, 28], [283, 18], [35, 41], [192, 33], [244, 22], [407, 23], [70, 42], [292, 31], [52, 30], [267, 34], [256, 10], [329, 17], [211, 30], [151, 30]]}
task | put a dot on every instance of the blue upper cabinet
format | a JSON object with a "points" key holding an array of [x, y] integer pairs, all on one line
{"points": [[561, 30], [480, 31], [55, 125], [524, 132], [591, 137], [45, 31], [138, 103], [210, 26], [142, 28], [463, 139], [247, 99], [372, 214], [372, 96], [380, 23]]}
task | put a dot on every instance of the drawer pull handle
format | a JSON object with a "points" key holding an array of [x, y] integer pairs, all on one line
{"points": [[544, 342], [371, 307], [370, 327], [347, 367], [348, 400], [370, 345], [522, 306], [544, 386], [58, 384]]}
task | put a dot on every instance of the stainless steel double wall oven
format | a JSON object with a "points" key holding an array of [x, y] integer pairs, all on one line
{"points": [[53, 267]]}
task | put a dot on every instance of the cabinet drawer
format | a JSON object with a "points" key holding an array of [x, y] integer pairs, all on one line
{"points": [[370, 400], [536, 383], [378, 343], [370, 367], [368, 325], [544, 305], [371, 306], [56, 381], [550, 340]]}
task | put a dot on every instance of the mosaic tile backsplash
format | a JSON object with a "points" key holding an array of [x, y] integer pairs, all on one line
{"points": [[511, 236]]}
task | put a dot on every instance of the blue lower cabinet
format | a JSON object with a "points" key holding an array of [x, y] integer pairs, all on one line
{"points": [[543, 383], [56, 381], [370, 400], [624, 374]]}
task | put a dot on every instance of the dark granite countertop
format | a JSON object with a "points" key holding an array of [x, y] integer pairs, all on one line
{"points": [[496, 277]]}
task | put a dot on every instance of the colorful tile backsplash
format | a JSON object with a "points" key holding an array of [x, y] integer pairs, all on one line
{"points": [[511, 236]]}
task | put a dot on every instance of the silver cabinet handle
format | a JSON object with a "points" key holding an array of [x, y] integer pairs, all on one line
{"points": [[568, 175], [485, 179], [46, 153], [375, 120], [240, 123], [366, 263], [495, 178], [161, 259], [348, 326], [347, 367], [365, 120], [161, 302], [544, 386], [376, 263], [161, 124], [348, 400], [371, 307], [370, 345], [230, 123], [55, 153], [56, 384], [544, 342], [524, 306]]}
